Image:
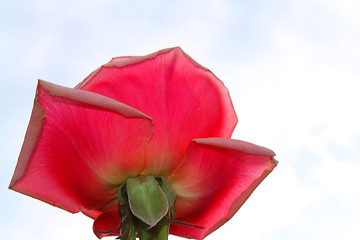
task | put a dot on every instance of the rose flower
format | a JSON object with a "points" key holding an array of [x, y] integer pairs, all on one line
{"points": [[143, 147]]}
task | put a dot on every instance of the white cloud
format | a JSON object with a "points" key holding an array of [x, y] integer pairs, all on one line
{"points": [[345, 9]]}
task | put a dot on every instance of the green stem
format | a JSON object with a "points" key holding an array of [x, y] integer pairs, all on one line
{"points": [[158, 232]]}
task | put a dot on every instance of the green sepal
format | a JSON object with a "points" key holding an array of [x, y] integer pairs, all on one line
{"points": [[170, 194], [173, 212], [128, 233], [146, 199], [133, 233], [167, 190]]}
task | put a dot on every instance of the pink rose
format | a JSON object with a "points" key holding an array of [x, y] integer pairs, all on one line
{"points": [[162, 115]]}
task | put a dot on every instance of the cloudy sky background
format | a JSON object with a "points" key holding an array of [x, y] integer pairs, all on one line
{"points": [[293, 71]]}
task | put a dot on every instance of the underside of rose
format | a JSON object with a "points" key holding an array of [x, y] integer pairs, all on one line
{"points": [[133, 135], [146, 209]]}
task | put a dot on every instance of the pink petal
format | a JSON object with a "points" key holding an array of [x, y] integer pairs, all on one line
{"points": [[107, 224], [186, 100], [215, 179], [79, 147]]}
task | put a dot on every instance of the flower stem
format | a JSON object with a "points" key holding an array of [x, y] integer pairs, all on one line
{"points": [[158, 232]]}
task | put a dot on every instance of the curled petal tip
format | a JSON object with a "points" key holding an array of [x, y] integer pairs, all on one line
{"points": [[237, 145]]}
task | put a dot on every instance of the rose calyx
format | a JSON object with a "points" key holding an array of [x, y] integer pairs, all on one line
{"points": [[146, 204]]}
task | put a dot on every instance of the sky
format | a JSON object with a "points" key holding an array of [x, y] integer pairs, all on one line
{"points": [[292, 69]]}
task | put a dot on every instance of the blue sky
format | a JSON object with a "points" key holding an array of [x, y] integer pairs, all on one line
{"points": [[292, 68]]}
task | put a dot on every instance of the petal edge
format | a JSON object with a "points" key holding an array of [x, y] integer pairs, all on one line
{"points": [[215, 179]]}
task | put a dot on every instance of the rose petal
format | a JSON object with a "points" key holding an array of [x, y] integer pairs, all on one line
{"points": [[79, 147], [91, 213], [107, 224], [186, 100], [117, 61], [215, 179]]}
